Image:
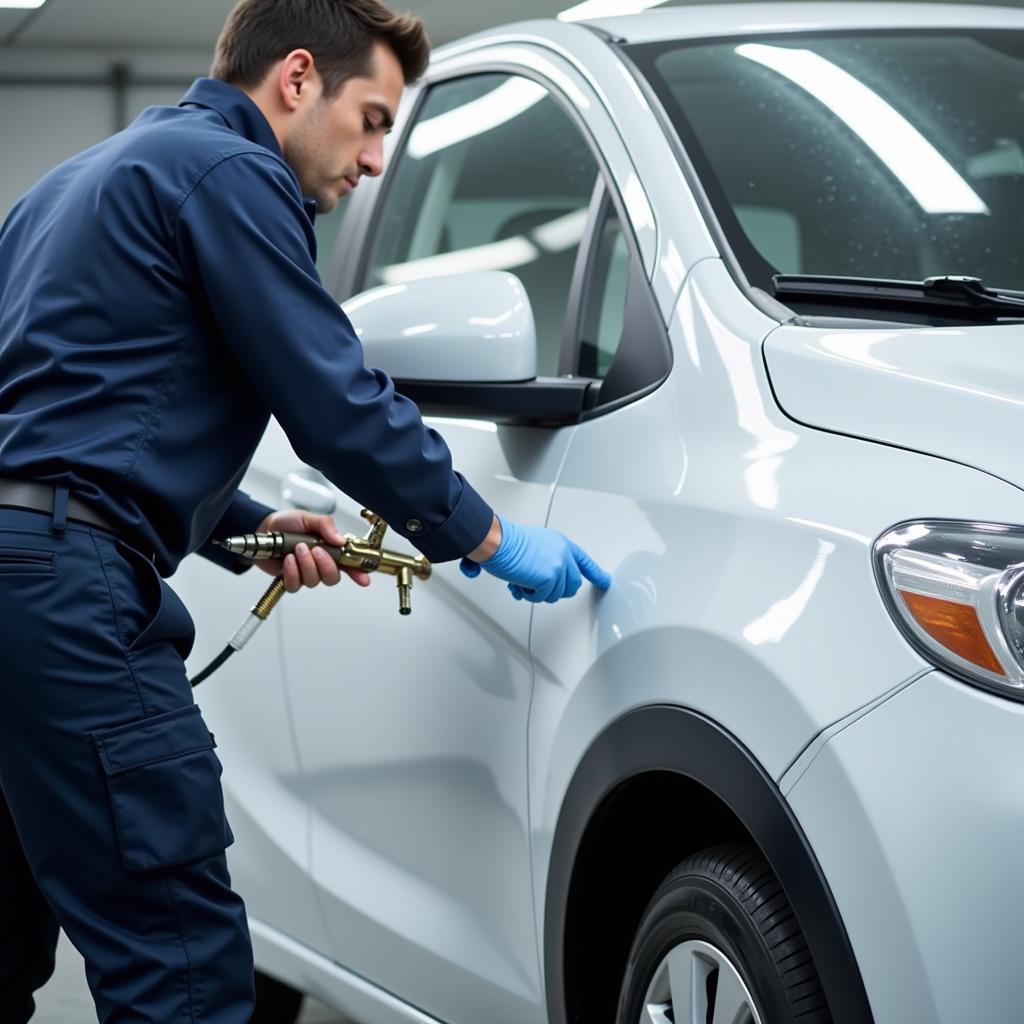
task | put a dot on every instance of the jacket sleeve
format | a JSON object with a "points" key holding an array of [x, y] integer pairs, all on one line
{"points": [[247, 243], [244, 514]]}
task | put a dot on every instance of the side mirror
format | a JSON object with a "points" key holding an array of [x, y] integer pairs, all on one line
{"points": [[475, 327]]}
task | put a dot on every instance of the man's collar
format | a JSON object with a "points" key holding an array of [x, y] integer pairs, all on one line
{"points": [[239, 112], [241, 115]]}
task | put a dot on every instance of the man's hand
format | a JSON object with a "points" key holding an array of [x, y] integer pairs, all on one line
{"points": [[537, 563], [307, 567]]}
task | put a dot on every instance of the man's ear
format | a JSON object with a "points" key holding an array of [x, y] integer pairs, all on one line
{"points": [[297, 79]]}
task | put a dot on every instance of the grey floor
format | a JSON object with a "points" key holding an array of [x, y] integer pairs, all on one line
{"points": [[66, 999]]}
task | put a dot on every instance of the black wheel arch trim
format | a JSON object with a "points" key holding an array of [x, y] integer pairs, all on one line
{"points": [[675, 739]]}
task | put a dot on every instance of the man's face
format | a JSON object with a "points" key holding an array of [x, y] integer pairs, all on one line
{"points": [[336, 141]]}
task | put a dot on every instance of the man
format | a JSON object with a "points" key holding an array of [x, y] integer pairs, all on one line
{"points": [[158, 302]]}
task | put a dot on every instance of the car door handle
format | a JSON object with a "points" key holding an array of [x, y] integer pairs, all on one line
{"points": [[305, 491]]}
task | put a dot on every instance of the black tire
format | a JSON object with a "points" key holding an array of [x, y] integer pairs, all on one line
{"points": [[276, 1002], [729, 898]]}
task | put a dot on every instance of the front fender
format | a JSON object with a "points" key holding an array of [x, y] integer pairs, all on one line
{"points": [[665, 738]]}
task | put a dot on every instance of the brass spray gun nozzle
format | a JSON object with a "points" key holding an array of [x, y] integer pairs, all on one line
{"points": [[364, 553]]}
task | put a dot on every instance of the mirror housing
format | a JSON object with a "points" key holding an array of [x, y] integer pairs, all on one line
{"points": [[474, 327]]}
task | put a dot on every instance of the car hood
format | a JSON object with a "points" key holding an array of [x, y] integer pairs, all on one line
{"points": [[953, 392]]}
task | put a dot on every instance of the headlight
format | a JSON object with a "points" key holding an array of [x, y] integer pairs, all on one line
{"points": [[956, 590]]}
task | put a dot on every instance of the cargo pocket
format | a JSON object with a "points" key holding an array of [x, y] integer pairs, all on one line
{"points": [[164, 784]]}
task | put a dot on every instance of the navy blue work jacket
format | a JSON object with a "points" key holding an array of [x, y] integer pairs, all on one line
{"points": [[159, 301]]}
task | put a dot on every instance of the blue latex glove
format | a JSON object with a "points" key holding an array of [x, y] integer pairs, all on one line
{"points": [[539, 564]]}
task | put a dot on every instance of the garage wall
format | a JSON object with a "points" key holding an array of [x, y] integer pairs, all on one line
{"points": [[43, 122], [54, 104]]}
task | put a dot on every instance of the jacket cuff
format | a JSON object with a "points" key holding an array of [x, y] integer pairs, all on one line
{"points": [[462, 532], [243, 515]]}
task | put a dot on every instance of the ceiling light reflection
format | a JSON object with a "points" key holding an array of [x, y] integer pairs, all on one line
{"points": [[921, 168], [496, 321], [415, 332], [557, 235], [504, 255], [563, 233], [368, 298], [448, 421], [857, 348], [638, 205], [606, 9], [775, 623], [495, 108]]}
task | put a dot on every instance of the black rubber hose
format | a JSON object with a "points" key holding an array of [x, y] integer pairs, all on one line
{"points": [[213, 666]]}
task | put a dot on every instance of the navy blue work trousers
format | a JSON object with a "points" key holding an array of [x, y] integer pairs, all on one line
{"points": [[112, 821]]}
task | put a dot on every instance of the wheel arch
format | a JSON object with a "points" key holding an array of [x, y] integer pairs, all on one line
{"points": [[649, 755]]}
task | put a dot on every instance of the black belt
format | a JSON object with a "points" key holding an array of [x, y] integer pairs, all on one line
{"points": [[35, 497]]}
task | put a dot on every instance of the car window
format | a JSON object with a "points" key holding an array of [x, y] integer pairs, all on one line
{"points": [[604, 309], [896, 154], [327, 227], [495, 175]]}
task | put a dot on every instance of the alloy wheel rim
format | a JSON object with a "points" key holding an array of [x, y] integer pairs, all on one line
{"points": [[697, 983]]}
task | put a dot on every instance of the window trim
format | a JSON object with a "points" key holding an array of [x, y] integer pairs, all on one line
{"points": [[599, 281], [642, 321], [629, 376], [582, 278]]}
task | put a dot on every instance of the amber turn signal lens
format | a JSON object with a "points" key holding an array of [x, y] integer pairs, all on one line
{"points": [[955, 626]]}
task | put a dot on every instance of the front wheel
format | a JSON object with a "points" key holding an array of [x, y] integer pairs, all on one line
{"points": [[719, 944], [276, 1002]]}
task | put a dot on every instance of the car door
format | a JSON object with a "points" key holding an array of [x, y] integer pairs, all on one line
{"points": [[245, 704], [413, 731]]}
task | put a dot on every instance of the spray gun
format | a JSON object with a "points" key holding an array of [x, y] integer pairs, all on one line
{"points": [[364, 553]]}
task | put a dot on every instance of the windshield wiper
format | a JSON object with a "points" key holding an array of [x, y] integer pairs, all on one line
{"points": [[962, 297]]}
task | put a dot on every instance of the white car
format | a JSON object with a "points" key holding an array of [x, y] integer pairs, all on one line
{"points": [[732, 296]]}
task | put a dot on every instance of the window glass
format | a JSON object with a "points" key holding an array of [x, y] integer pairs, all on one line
{"points": [[327, 226], [895, 154], [495, 176], [605, 310]]}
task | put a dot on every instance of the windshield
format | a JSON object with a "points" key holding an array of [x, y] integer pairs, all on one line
{"points": [[883, 155]]}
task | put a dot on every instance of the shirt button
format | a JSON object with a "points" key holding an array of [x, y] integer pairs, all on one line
{"points": [[414, 526]]}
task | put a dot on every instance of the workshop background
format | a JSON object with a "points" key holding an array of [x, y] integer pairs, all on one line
{"points": [[74, 71]]}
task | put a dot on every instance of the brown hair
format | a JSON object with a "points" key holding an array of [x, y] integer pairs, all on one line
{"points": [[338, 33]]}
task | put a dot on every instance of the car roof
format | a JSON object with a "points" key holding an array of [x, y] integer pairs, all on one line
{"points": [[705, 20], [709, 20]]}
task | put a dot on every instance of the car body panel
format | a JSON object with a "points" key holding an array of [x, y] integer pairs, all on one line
{"points": [[246, 705], [919, 829], [314, 973], [415, 777], [932, 389]]}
